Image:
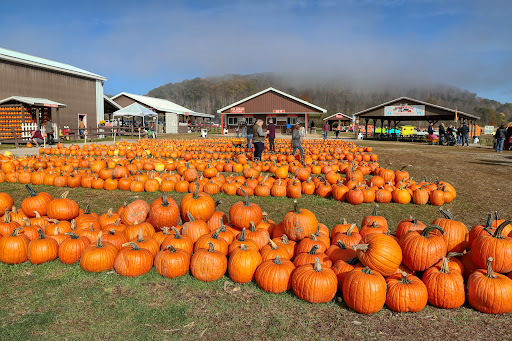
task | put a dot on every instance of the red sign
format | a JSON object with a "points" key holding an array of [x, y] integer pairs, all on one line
{"points": [[186, 114], [50, 105], [237, 110], [280, 111]]}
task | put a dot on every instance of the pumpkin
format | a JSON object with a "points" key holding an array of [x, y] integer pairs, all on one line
{"points": [[275, 275], [200, 206], [496, 246], [218, 243], [108, 218], [171, 262], [309, 258], [208, 265], [299, 223], [342, 268], [272, 250], [116, 238], [340, 251], [98, 257], [289, 245], [406, 293], [7, 226], [374, 218], [314, 283], [132, 231], [135, 212], [364, 291], [164, 212], [488, 292], [445, 289], [133, 261], [6, 202], [63, 208], [194, 229], [380, 253], [348, 238], [147, 242], [242, 264], [456, 233], [70, 250], [178, 241], [408, 225], [422, 250], [243, 212], [14, 247]]}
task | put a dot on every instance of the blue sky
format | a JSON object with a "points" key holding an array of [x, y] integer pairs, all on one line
{"points": [[139, 45]]}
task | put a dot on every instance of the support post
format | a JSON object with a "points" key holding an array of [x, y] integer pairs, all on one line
{"points": [[366, 128], [222, 124], [305, 124], [15, 137]]}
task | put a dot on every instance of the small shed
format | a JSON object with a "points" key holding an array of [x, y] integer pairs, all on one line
{"points": [[405, 109], [284, 109], [338, 119]]}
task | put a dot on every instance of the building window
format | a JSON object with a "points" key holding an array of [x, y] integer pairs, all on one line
{"points": [[292, 120], [250, 120], [232, 121]]}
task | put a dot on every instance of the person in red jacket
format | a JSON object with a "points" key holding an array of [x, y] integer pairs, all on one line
{"points": [[326, 129], [271, 134]]}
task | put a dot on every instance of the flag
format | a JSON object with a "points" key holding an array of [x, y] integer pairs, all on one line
{"points": [[455, 114]]}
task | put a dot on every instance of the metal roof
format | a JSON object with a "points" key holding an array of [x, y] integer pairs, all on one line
{"points": [[110, 101], [417, 101], [135, 109], [277, 91], [26, 59], [42, 102], [333, 115], [161, 104]]}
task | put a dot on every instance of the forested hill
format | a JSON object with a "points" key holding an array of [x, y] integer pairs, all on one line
{"points": [[210, 94]]}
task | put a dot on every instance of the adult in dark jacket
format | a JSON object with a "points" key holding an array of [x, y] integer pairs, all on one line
{"points": [[311, 127], [442, 133], [326, 129], [271, 134], [465, 135], [459, 135], [500, 135], [258, 139], [296, 141], [431, 129]]}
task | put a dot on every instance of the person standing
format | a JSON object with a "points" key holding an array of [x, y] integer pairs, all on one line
{"points": [[465, 134], [430, 129], [249, 137], [442, 132], [459, 135], [259, 139], [271, 135], [237, 131], [500, 135], [326, 129], [509, 136], [48, 126], [296, 142], [311, 127], [244, 128], [81, 128]]}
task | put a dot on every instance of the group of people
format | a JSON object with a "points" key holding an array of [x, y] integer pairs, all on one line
{"points": [[448, 134], [37, 138], [256, 136]]}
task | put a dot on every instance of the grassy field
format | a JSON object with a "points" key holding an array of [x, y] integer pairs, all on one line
{"points": [[56, 301]]}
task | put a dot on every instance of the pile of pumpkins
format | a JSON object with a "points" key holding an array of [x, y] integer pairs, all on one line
{"points": [[368, 265], [336, 169]]}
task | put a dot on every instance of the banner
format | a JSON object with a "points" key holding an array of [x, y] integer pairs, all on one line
{"points": [[404, 110], [488, 130]]}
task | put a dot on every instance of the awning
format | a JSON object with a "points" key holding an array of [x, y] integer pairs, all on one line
{"points": [[33, 101], [135, 109]]}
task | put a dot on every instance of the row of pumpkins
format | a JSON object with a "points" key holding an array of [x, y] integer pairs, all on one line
{"points": [[356, 182], [368, 265]]}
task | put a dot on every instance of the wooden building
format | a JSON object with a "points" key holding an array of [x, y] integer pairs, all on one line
{"points": [[405, 109], [338, 119], [270, 103], [173, 117], [79, 93]]}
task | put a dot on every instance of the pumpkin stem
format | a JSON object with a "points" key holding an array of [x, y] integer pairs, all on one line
{"points": [[215, 235], [140, 236], [490, 272], [350, 229], [217, 203], [165, 202], [285, 239], [111, 231], [242, 236], [98, 239], [64, 195], [367, 271], [87, 209], [499, 229], [72, 235], [252, 227], [37, 214], [190, 217], [426, 231], [16, 231], [109, 212], [170, 248], [7, 216], [30, 190], [447, 214], [313, 237], [313, 250], [277, 260], [41, 234], [210, 247], [177, 234], [341, 245], [132, 244], [296, 208], [317, 267], [374, 212], [26, 221], [404, 279], [165, 230], [353, 261], [344, 222], [244, 247], [362, 247], [453, 254], [196, 191], [445, 269], [272, 244]]}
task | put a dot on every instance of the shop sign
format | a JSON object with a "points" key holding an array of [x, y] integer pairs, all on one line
{"points": [[237, 110]]}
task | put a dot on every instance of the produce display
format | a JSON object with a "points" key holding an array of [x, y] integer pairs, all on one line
{"points": [[442, 264], [330, 169]]}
